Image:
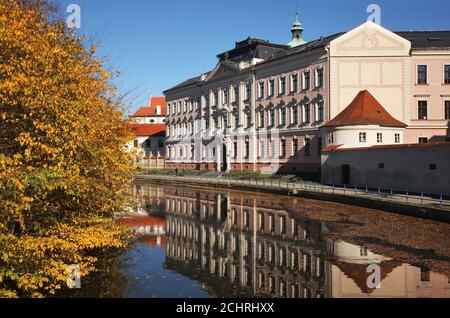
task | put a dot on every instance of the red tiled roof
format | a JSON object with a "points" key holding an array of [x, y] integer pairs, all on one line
{"points": [[150, 110], [396, 146], [364, 110], [147, 130]]}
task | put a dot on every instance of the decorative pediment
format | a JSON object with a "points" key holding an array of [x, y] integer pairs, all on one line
{"points": [[369, 39], [223, 70]]}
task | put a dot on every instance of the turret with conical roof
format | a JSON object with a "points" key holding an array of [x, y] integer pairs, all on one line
{"points": [[297, 33]]}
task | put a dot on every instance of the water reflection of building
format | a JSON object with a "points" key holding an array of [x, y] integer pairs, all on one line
{"points": [[148, 199], [148, 229], [242, 246], [259, 249]]}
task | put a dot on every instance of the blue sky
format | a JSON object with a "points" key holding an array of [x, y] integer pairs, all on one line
{"points": [[157, 44]]}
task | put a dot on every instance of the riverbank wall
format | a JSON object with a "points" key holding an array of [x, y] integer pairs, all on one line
{"points": [[415, 206]]}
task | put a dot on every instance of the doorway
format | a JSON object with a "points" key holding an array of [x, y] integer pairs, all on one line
{"points": [[346, 174], [224, 159]]}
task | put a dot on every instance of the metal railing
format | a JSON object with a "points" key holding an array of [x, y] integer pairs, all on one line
{"points": [[387, 195]]}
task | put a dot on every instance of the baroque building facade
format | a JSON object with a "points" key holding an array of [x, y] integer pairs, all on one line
{"points": [[261, 108]]}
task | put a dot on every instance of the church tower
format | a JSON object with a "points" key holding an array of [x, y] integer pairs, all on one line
{"points": [[297, 33]]}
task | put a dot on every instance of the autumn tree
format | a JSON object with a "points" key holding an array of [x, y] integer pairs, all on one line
{"points": [[63, 166]]}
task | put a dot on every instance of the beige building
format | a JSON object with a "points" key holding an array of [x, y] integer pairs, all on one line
{"points": [[262, 106]]}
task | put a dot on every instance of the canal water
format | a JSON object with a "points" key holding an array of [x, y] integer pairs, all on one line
{"points": [[203, 243]]}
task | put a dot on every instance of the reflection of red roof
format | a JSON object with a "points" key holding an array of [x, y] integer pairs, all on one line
{"points": [[358, 273], [142, 221], [147, 130], [152, 240], [150, 110], [365, 110]]}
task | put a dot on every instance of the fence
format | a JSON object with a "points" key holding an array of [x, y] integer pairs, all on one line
{"points": [[419, 199]]}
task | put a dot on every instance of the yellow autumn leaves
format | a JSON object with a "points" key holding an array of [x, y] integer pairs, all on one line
{"points": [[63, 166]]}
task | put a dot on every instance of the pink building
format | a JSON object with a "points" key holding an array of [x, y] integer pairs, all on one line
{"points": [[261, 107]]}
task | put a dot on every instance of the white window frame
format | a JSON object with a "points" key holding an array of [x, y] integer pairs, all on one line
{"points": [[362, 137], [304, 80], [293, 89]]}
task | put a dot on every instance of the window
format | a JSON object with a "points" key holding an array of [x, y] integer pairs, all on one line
{"points": [[236, 94], [249, 119], [379, 138], [261, 118], [446, 74], [225, 120], [248, 91], [425, 276], [422, 111], [331, 139], [307, 113], [185, 106], [381, 166], [362, 137], [261, 152], [423, 140], [307, 147], [397, 138], [294, 118], [207, 101], [168, 108], [216, 98], [247, 149], [363, 251], [283, 116], [272, 117], [306, 80], [422, 74], [320, 116], [136, 143], [294, 82], [283, 149], [282, 89], [447, 110], [225, 96], [295, 146], [261, 90], [236, 120], [235, 149], [271, 87], [199, 103], [319, 74], [433, 166]]}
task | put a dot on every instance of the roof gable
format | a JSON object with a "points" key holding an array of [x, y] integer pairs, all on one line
{"points": [[223, 70], [365, 110], [370, 39], [151, 109]]}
